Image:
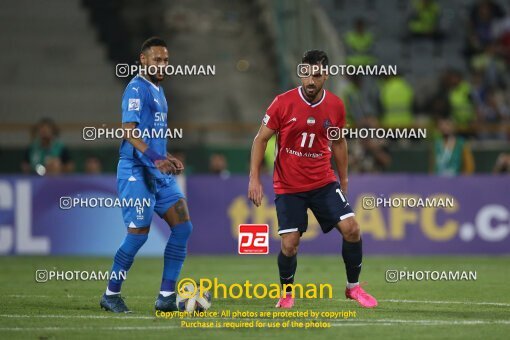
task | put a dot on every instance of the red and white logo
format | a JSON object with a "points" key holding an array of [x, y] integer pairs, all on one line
{"points": [[253, 239]]}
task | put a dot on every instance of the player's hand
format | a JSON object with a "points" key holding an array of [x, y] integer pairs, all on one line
{"points": [[179, 167], [255, 192], [165, 166]]}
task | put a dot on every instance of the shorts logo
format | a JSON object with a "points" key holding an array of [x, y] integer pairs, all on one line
{"points": [[266, 119], [134, 104], [139, 213], [253, 239], [310, 121]]}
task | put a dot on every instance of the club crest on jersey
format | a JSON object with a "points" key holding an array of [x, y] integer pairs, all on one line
{"points": [[134, 104], [327, 123], [266, 119], [310, 121]]}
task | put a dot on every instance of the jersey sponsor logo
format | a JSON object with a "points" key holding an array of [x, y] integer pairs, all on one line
{"points": [[310, 121], [134, 104], [253, 239], [266, 119], [294, 119], [160, 117]]}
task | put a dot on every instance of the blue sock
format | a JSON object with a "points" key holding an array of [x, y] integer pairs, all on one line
{"points": [[124, 258], [175, 253]]}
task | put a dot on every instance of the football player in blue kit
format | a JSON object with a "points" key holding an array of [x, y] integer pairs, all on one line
{"points": [[146, 171]]}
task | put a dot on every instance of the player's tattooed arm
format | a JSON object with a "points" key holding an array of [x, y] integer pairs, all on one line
{"points": [[339, 149], [255, 192]]}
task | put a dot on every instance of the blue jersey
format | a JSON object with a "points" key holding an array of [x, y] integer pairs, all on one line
{"points": [[145, 104]]}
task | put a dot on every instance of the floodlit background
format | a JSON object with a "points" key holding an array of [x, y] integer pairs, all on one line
{"points": [[452, 59], [58, 69]]}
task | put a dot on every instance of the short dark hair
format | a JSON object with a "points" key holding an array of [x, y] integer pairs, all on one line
{"points": [[152, 41], [46, 121], [315, 57]]}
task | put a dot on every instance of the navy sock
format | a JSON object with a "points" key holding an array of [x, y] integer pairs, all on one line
{"points": [[287, 267], [175, 253], [124, 259], [353, 255]]}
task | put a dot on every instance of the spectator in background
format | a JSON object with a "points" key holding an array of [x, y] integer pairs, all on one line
{"points": [[218, 165], [482, 17], [492, 112], [369, 155], [46, 155], [359, 44], [396, 102], [424, 22], [502, 35], [93, 166], [451, 153], [439, 105], [502, 165], [360, 99], [460, 100], [492, 67]]}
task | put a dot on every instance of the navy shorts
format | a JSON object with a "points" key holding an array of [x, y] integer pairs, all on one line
{"points": [[328, 204]]}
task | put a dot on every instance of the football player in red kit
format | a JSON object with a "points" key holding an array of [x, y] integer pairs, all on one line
{"points": [[303, 178]]}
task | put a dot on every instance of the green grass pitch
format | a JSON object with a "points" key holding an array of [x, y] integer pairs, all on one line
{"points": [[407, 310]]}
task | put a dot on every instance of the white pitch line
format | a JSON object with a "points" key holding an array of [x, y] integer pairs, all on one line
{"points": [[482, 303], [449, 302], [424, 322], [116, 328], [332, 321], [56, 316], [333, 324]]}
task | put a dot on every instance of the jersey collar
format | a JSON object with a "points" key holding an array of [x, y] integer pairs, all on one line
{"points": [[307, 102], [141, 77]]}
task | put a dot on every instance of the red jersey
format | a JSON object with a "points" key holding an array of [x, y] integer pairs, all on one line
{"points": [[303, 154]]}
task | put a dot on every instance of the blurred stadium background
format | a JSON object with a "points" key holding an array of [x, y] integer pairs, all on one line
{"points": [[453, 59]]}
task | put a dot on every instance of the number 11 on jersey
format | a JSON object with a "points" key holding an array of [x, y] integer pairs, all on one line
{"points": [[303, 140]]}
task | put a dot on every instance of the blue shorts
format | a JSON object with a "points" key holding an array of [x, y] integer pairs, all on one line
{"points": [[328, 204], [162, 193]]}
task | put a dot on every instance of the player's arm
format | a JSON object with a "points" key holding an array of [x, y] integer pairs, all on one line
{"points": [[255, 192], [339, 150], [162, 162]]}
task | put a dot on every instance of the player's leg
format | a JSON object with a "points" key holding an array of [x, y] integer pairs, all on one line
{"points": [[352, 250], [292, 222], [173, 208], [352, 253], [287, 265], [137, 221], [178, 219], [332, 210]]}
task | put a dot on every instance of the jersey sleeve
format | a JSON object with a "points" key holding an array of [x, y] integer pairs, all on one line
{"points": [[341, 114], [273, 115], [132, 104]]}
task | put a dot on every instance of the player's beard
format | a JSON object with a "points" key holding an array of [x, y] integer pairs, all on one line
{"points": [[155, 79], [311, 92]]}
